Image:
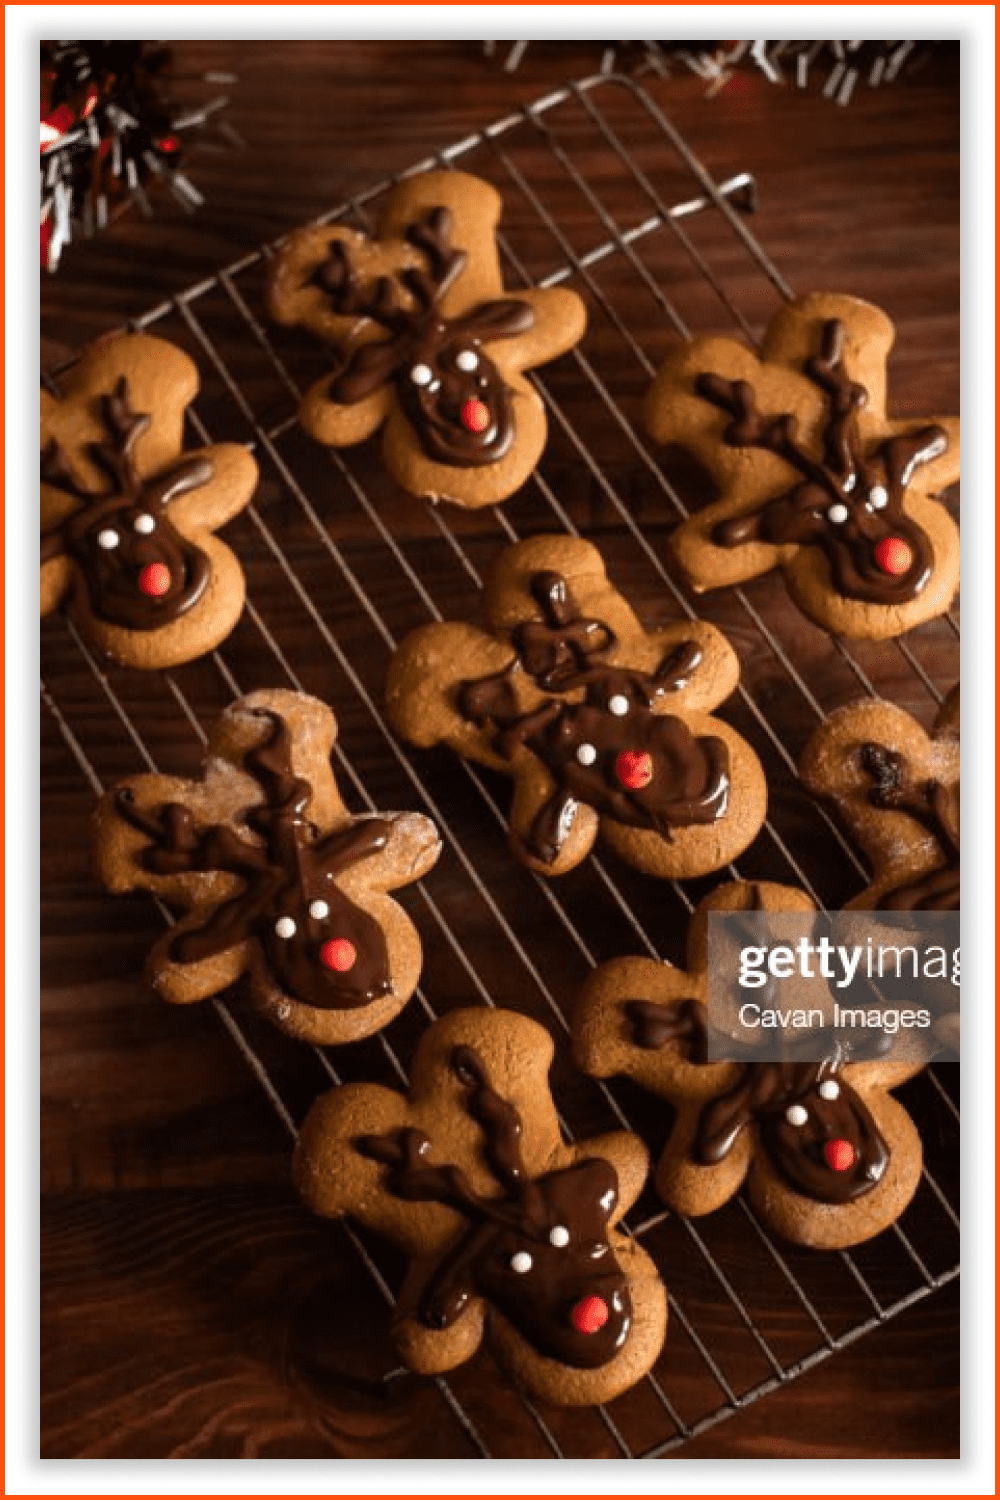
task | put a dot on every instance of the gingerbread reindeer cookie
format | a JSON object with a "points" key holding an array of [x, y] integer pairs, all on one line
{"points": [[815, 477], [510, 1233], [897, 789], [600, 723], [426, 343], [828, 1157], [271, 875], [128, 518]]}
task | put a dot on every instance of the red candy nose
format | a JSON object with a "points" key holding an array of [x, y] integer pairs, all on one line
{"points": [[475, 416], [839, 1154], [154, 579], [894, 556], [590, 1314], [339, 954], [634, 769]]}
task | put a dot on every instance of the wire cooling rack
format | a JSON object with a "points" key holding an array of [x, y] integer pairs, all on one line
{"points": [[350, 565]]}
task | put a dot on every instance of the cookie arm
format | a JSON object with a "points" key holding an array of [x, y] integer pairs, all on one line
{"points": [[690, 1188], [341, 426], [411, 849], [935, 476], [711, 680], [706, 565], [227, 492], [560, 319], [423, 682], [537, 806], [630, 1159], [56, 582], [187, 983]]}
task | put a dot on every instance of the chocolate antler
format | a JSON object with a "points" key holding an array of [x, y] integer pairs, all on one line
{"points": [[117, 459], [848, 503], [928, 803], [432, 235], [323, 948], [539, 1251], [777, 434], [413, 1178]]}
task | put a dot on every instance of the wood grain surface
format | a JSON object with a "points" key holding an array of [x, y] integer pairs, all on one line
{"points": [[190, 1306]]}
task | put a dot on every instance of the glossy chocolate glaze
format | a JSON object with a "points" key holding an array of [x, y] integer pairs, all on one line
{"points": [[763, 1096]]}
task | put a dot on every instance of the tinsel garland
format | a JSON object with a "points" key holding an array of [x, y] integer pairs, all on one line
{"points": [[835, 67], [106, 132]]}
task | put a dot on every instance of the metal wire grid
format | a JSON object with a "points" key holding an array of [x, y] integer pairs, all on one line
{"points": [[326, 532]]}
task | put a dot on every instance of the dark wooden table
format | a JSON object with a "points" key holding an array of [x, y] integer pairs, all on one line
{"points": [[190, 1307]]}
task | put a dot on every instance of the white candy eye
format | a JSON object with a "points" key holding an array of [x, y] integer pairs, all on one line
{"points": [[796, 1115], [837, 514], [521, 1262], [421, 374], [285, 927], [144, 524], [466, 360], [559, 1236], [619, 705], [829, 1089], [319, 910], [586, 754], [878, 497], [108, 539]]}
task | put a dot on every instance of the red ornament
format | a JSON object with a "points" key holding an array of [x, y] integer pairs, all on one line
{"points": [[634, 769], [169, 143], [894, 556], [590, 1314], [339, 954], [839, 1154], [475, 416], [54, 126], [154, 579]]}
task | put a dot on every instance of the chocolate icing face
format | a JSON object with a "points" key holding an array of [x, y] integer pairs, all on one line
{"points": [[463, 414], [849, 503], [321, 948], [540, 1301], [812, 1124], [929, 804], [611, 751], [137, 569], [539, 1253], [449, 388]]}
